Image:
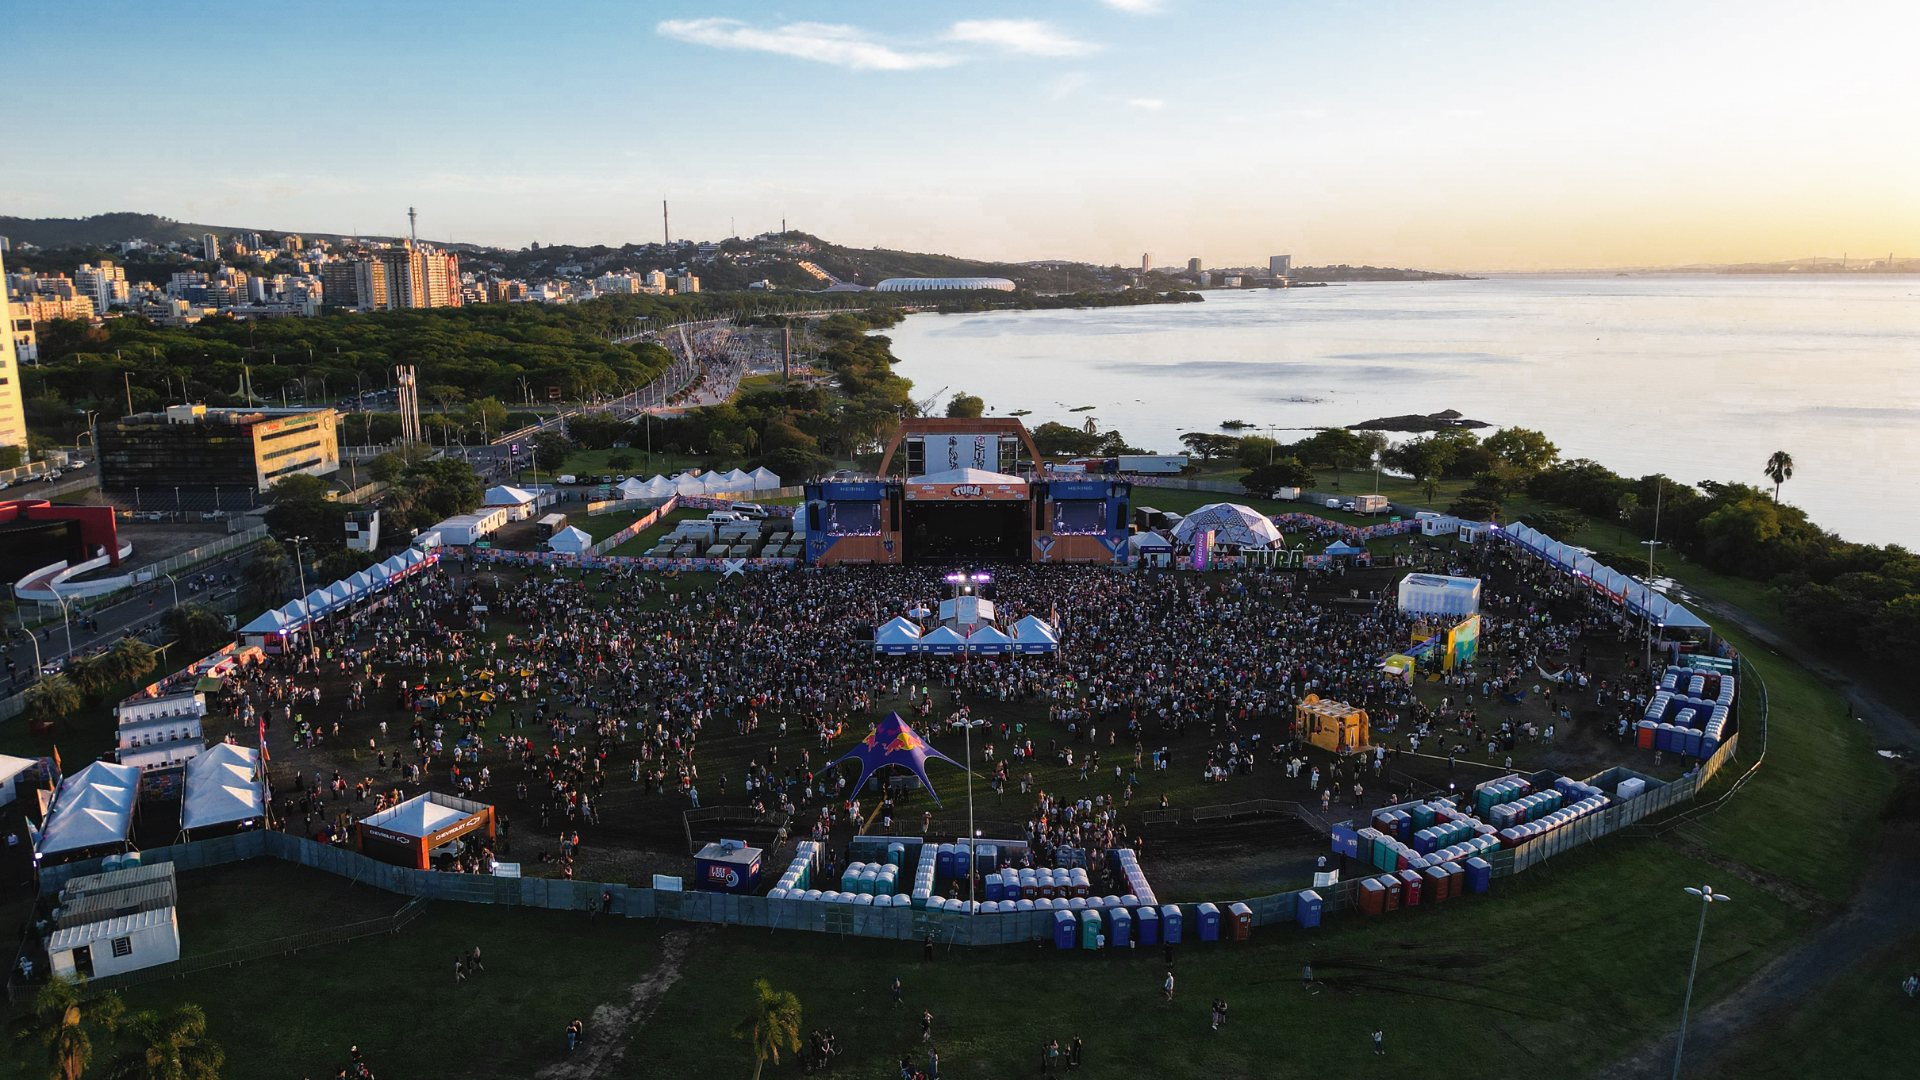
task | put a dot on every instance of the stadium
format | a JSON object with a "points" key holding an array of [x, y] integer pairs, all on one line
{"points": [[945, 284]]}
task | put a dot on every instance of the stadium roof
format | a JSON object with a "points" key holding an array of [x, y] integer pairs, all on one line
{"points": [[944, 284]]}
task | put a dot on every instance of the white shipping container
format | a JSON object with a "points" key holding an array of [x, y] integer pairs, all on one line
{"points": [[1287, 494]]}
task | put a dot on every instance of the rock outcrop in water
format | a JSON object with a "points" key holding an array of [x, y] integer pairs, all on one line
{"points": [[1439, 421]]}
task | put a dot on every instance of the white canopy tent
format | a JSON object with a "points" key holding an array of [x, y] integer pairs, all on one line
{"points": [[657, 488], [93, 808], [689, 484], [897, 635], [764, 480], [1230, 523], [570, 541], [1035, 635], [222, 786], [10, 769], [632, 488]]}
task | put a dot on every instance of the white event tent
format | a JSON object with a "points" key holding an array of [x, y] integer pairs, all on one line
{"points": [[570, 541], [222, 787], [93, 808]]}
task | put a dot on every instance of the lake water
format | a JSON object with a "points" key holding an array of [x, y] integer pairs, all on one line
{"points": [[1701, 378]]}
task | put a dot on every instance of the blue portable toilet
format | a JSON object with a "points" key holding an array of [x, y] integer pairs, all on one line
{"points": [[1306, 907], [943, 860], [1692, 747], [962, 860], [1170, 923], [1207, 917], [1119, 926], [1479, 875], [1147, 923], [995, 891], [1065, 927], [1089, 928]]}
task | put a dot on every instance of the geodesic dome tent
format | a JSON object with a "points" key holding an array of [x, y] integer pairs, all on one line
{"points": [[1230, 523]]}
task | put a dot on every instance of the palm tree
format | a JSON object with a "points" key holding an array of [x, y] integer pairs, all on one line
{"points": [[52, 697], [774, 1022], [131, 658], [1629, 504], [61, 1015], [1780, 470], [170, 1047]]}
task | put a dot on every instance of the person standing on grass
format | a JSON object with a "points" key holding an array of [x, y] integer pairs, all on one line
{"points": [[1074, 1053], [926, 1025], [1380, 1042], [1306, 977], [1167, 987], [473, 962], [896, 991], [933, 1065], [459, 970]]}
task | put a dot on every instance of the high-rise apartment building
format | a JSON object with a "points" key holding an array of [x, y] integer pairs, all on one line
{"points": [[292, 244], [409, 277], [209, 246], [13, 409], [1146, 262], [1280, 265], [1193, 266], [106, 284]]}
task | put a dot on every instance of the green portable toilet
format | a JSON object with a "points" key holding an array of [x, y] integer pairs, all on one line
{"points": [[1089, 928]]}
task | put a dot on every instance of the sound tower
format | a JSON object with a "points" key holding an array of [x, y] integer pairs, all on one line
{"points": [[1039, 508], [894, 495]]}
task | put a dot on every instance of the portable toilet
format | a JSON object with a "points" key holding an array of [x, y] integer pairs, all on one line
{"points": [[1089, 928], [988, 856], [1147, 925], [1479, 875], [943, 861], [962, 860], [994, 889], [1170, 923], [1240, 921], [1024, 906], [1410, 882], [896, 854], [1119, 926], [1065, 930], [1207, 918], [1456, 879], [1373, 896], [1392, 882], [1306, 908]]}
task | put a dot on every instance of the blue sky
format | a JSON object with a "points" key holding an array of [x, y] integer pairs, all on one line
{"points": [[1477, 135]]}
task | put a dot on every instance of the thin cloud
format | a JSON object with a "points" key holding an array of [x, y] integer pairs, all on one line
{"points": [[1136, 7], [1069, 84], [1147, 103], [1028, 37], [826, 43]]}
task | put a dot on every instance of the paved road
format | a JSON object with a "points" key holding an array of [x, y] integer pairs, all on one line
{"points": [[139, 612]]}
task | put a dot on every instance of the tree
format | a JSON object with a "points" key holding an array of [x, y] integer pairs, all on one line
{"points": [[130, 659], [1522, 448], [169, 1046], [1780, 470], [550, 450], [771, 1024], [620, 462], [387, 467], [1256, 450], [52, 697], [965, 406], [445, 486], [1207, 444], [302, 506], [1283, 472], [299, 487], [488, 415], [199, 628], [60, 1021], [269, 573], [793, 465], [1628, 505]]}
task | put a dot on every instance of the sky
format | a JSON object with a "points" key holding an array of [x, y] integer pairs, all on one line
{"points": [[1472, 134]]}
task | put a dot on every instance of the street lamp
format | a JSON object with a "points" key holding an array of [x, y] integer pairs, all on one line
{"points": [[296, 541], [1707, 896]]}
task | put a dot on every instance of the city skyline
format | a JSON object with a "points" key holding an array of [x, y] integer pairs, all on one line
{"points": [[1488, 138]]}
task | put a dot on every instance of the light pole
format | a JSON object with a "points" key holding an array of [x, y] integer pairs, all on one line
{"points": [[31, 636], [1707, 896], [296, 541]]}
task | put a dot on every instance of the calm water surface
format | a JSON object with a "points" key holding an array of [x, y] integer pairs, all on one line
{"points": [[1698, 377]]}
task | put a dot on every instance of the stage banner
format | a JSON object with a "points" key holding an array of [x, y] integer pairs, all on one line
{"points": [[948, 452], [964, 492]]}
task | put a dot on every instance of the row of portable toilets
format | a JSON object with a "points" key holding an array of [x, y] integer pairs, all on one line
{"points": [[1429, 885], [1689, 714], [1120, 926]]}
